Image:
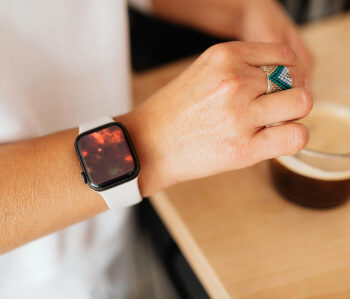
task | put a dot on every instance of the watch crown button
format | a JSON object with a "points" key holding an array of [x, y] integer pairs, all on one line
{"points": [[83, 177]]}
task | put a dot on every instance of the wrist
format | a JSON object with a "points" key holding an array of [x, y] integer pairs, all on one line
{"points": [[253, 16], [151, 178]]}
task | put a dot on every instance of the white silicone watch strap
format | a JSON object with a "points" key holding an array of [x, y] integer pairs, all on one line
{"points": [[120, 196]]}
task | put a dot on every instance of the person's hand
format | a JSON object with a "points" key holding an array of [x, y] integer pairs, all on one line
{"points": [[247, 20], [266, 21], [213, 117]]}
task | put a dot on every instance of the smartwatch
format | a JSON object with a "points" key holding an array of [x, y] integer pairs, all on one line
{"points": [[109, 162]]}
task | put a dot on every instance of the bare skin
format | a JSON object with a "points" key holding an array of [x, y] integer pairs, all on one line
{"points": [[210, 119]]}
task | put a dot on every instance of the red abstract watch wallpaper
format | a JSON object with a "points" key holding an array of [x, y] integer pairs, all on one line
{"points": [[106, 155]]}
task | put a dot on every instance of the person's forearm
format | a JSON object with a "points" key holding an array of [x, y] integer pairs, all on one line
{"points": [[214, 117], [41, 190], [216, 17], [246, 20]]}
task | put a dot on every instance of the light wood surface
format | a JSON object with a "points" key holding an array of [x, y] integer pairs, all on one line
{"points": [[240, 237]]}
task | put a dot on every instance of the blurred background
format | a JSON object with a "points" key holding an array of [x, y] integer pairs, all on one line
{"points": [[155, 42]]}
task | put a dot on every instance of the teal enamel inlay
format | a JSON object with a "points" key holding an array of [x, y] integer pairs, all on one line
{"points": [[279, 79]]}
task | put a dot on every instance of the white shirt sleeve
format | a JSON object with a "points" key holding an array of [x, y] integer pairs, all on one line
{"points": [[144, 6]]}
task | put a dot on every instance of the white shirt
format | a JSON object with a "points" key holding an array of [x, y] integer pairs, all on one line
{"points": [[62, 62]]}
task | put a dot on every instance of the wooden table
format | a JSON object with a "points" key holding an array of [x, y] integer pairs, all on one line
{"points": [[240, 237]]}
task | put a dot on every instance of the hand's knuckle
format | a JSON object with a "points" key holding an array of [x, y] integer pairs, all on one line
{"points": [[240, 80], [287, 54], [219, 52], [298, 138], [305, 100], [234, 83]]}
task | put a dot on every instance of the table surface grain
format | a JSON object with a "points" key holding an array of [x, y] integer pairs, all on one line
{"points": [[239, 236]]}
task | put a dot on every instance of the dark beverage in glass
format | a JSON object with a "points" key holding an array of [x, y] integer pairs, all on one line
{"points": [[309, 191], [318, 176]]}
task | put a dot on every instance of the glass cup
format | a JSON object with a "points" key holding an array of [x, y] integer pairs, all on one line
{"points": [[318, 176]]}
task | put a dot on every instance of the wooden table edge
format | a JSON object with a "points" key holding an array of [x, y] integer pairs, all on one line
{"points": [[188, 246]]}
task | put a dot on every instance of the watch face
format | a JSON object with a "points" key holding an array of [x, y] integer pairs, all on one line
{"points": [[107, 156]]}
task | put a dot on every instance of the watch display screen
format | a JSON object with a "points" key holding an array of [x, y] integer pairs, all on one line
{"points": [[106, 155]]}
